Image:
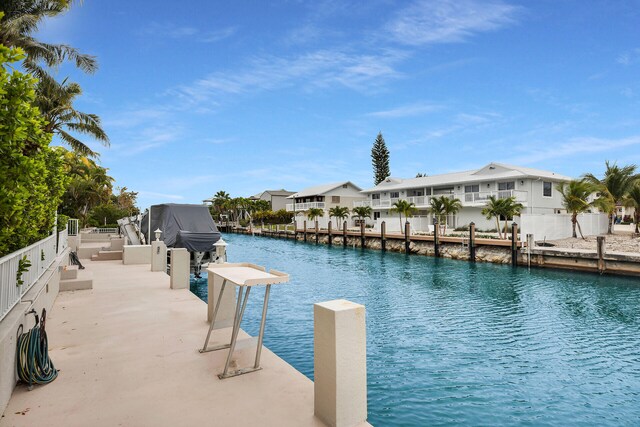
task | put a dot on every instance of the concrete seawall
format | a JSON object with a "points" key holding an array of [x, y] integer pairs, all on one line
{"points": [[486, 250]]}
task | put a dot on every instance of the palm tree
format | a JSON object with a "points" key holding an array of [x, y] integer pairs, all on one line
{"points": [[494, 209], [55, 101], [363, 212], [575, 199], [613, 187], [443, 206], [22, 19], [315, 213], [510, 208], [339, 212], [633, 200], [451, 206], [403, 207]]}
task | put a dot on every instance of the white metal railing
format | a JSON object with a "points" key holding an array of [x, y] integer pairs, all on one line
{"points": [[106, 230], [482, 197], [40, 254], [72, 227], [467, 199], [420, 201], [63, 240], [304, 206]]}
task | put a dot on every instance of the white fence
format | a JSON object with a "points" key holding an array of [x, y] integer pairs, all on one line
{"points": [[63, 240], [558, 226], [72, 227], [40, 254], [419, 224]]}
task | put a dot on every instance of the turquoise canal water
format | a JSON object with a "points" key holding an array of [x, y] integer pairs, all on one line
{"points": [[455, 343]]}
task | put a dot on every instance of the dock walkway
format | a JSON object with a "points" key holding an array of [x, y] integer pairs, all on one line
{"points": [[127, 355]]}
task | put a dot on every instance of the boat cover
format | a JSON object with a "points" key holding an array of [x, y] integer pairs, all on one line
{"points": [[183, 226]]}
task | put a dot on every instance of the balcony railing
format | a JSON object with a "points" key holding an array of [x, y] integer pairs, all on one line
{"points": [[291, 207], [467, 199]]}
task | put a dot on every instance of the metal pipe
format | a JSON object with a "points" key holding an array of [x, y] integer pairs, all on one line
{"points": [[236, 326], [213, 319], [262, 324]]}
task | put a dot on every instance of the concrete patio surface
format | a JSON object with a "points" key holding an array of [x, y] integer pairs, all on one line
{"points": [[127, 355]]}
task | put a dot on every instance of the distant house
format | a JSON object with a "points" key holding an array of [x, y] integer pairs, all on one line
{"points": [[277, 198], [325, 197], [534, 188]]}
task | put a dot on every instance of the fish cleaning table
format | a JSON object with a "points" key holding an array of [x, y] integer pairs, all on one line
{"points": [[245, 276]]}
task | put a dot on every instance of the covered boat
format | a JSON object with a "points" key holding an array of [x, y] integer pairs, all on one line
{"points": [[183, 226]]}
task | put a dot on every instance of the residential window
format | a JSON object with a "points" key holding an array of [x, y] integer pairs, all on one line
{"points": [[509, 185], [472, 188], [375, 196], [344, 185], [376, 215], [547, 188], [335, 199], [394, 195]]}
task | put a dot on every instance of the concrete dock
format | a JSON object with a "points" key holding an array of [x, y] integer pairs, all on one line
{"points": [[127, 351]]}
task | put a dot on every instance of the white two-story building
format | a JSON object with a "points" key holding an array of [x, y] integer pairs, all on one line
{"points": [[534, 188], [325, 197]]}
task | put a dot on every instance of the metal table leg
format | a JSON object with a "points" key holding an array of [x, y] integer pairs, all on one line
{"points": [[240, 306], [262, 323], [213, 319]]}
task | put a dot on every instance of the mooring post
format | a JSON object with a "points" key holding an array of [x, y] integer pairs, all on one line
{"points": [[316, 231], [472, 242], [436, 237], [340, 363], [304, 232], [514, 244], [383, 239], [329, 230], [344, 234], [407, 241], [601, 250], [362, 235]]}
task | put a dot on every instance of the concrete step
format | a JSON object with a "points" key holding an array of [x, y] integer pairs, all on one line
{"points": [[107, 256], [69, 272], [86, 252], [82, 282]]}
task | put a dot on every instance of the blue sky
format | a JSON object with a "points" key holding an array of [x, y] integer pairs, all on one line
{"points": [[250, 95]]}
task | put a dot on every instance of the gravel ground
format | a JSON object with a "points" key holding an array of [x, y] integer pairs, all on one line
{"points": [[618, 242]]}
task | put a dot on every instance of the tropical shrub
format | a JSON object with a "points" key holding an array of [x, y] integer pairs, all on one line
{"points": [[31, 177]]}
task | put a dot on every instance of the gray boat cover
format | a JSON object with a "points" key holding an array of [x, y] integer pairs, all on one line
{"points": [[183, 226]]}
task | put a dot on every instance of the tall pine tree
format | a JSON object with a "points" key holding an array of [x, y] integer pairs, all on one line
{"points": [[380, 160]]}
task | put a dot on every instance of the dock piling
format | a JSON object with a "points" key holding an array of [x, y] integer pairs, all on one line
{"points": [[472, 242], [407, 234], [383, 239], [344, 234], [601, 251], [514, 244]]}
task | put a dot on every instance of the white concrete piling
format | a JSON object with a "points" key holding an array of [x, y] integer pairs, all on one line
{"points": [[179, 268], [340, 363], [158, 256]]}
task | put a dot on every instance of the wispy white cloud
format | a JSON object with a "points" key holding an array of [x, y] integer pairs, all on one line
{"points": [[318, 69], [572, 147], [448, 21], [406, 111], [173, 31], [629, 57]]}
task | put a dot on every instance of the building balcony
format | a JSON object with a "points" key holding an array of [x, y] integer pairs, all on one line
{"points": [[477, 199], [297, 207]]}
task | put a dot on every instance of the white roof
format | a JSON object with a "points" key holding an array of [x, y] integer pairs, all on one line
{"points": [[490, 172], [322, 189]]}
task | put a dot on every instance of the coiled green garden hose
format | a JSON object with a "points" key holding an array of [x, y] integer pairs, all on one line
{"points": [[33, 363]]}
